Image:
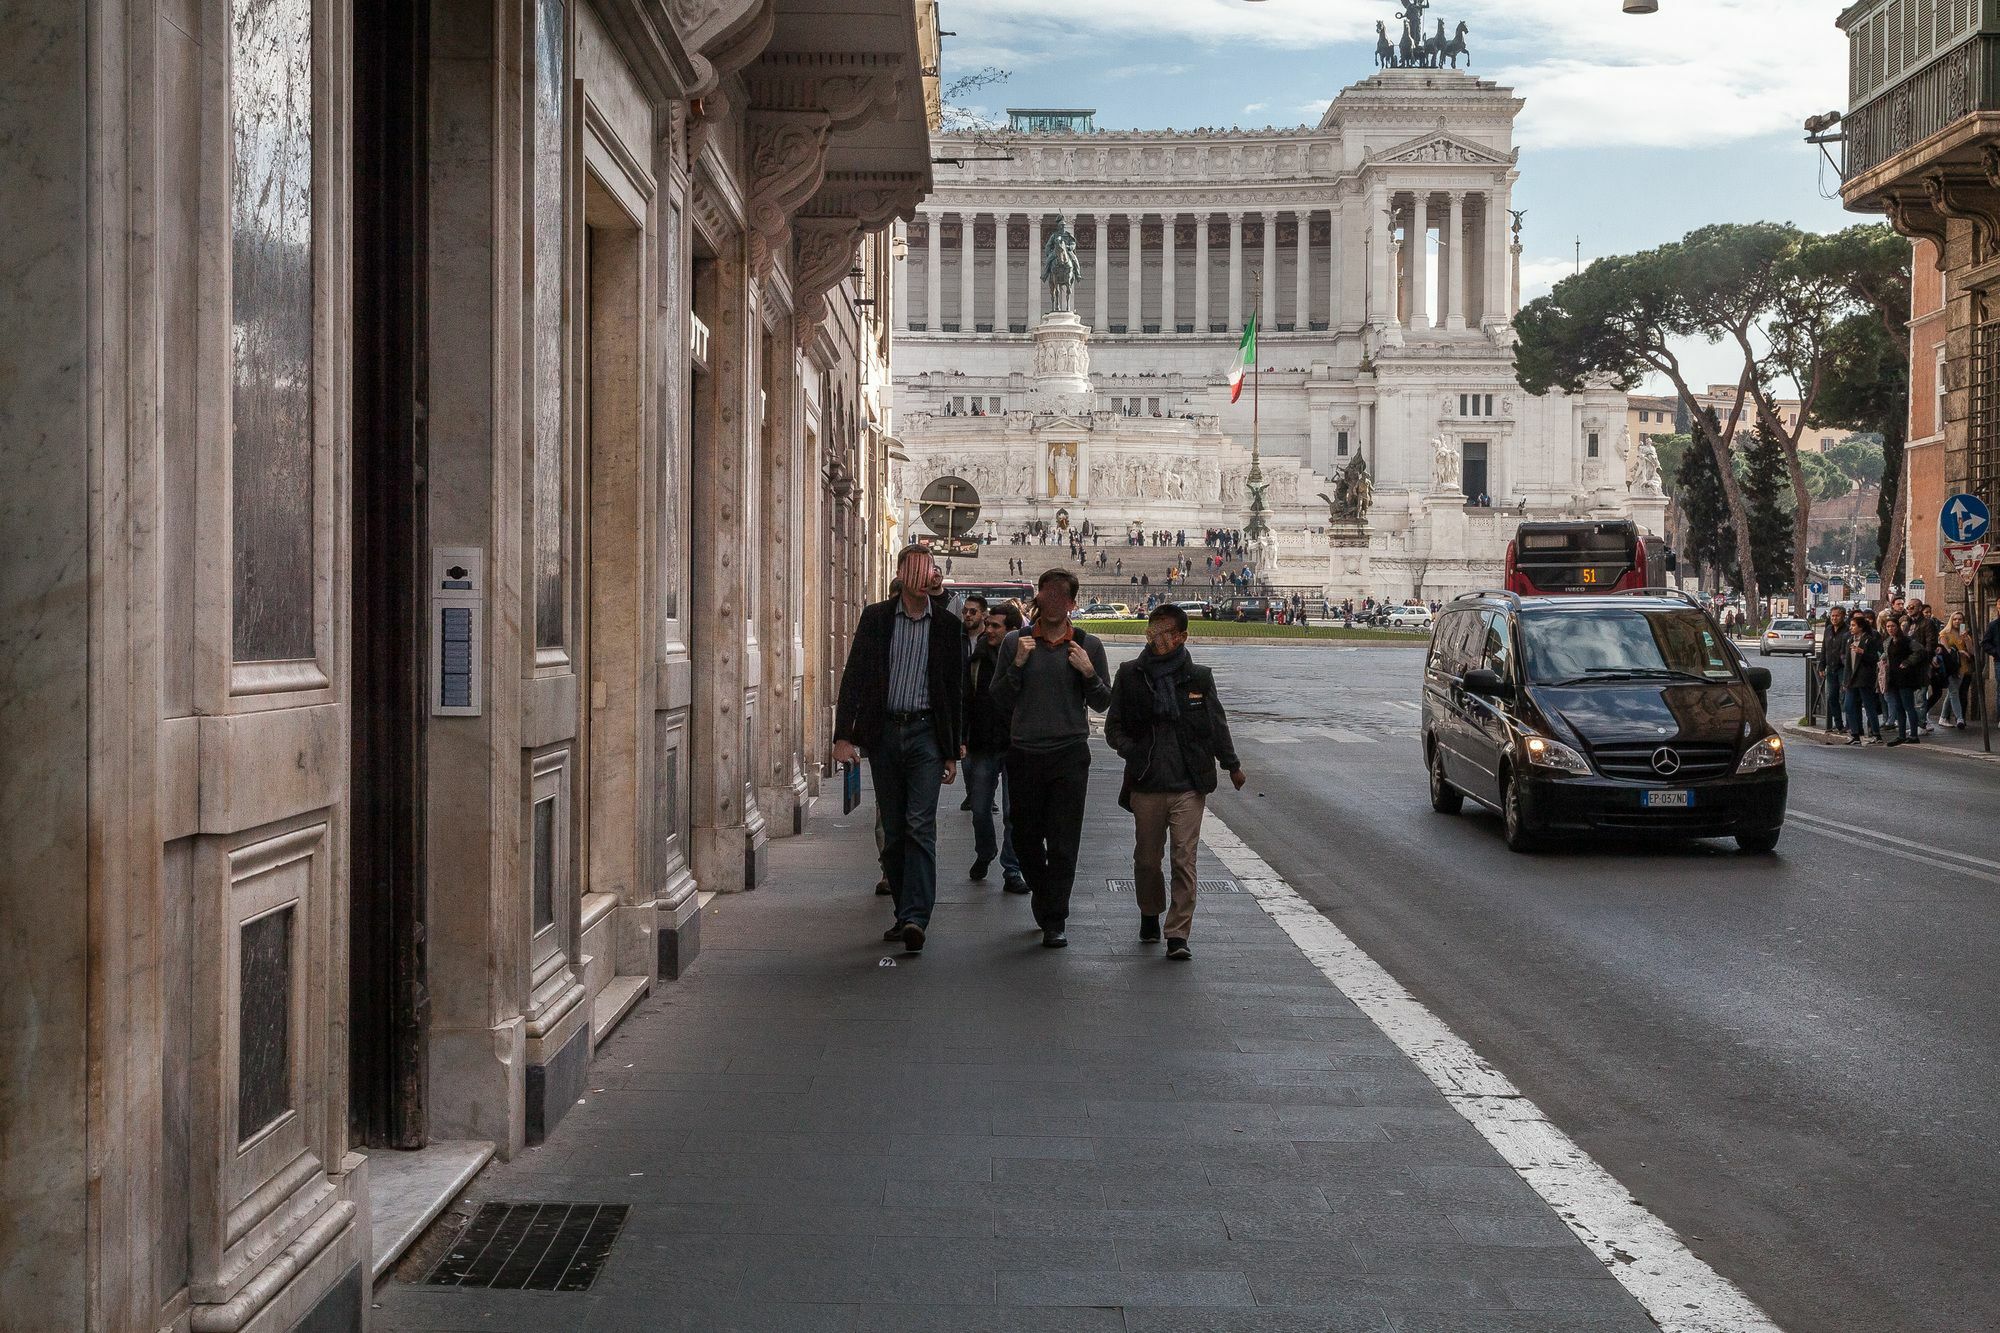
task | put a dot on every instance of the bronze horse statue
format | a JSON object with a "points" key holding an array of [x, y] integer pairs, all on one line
{"points": [[1443, 48]]}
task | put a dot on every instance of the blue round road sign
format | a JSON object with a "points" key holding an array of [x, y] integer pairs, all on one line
{"points": [[1965, 518]]}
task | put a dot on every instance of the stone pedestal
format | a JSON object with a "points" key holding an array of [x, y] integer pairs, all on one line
{"points": [[1062, 355], [1650, 513], [1348, 568]]}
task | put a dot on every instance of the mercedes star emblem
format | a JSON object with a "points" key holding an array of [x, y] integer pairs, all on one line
{"points": [[1666, 761]]}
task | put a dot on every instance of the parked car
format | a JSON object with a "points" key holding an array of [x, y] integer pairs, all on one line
{"points": [[1197, 610], [1407, 617], [1631, 714], [1251, 607], [1787, 636]]}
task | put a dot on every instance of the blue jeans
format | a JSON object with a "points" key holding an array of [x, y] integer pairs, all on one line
{"points": [[1834, 687], [983, 773], [1951, 709], [1862, 699], [1904, 713], [908, 769]]}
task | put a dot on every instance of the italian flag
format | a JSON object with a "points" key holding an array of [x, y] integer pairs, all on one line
{"points": [[1246, 358]]}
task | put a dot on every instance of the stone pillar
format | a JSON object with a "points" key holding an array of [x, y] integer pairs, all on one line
{"points": [[1102, 303], [968, 311], [901, 316], [1169, 296], [1302, 289], [1034, 292], [719, 819], [1496, 311], [1417, 261], [781, 788], [1135, 237], [1381, 306], [1000, 275], [1455, 285], [1201, 301], [934, 271], [1267, 288], [1235, 273], [1336, 309]]}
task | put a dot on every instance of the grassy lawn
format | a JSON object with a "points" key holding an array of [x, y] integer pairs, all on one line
{"points": [[1230, 629]]}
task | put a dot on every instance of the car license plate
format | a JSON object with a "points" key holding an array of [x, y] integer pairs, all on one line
{"points": [[1667, 800]]}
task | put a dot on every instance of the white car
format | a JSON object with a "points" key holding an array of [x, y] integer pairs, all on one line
{"points": [[1407, 617], [1787, 636]]}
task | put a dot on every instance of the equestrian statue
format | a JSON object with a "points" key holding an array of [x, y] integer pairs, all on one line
{"points": [[1413, 49], [1060, 269]]}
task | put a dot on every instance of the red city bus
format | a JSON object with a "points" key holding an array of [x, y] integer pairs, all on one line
{"points": [[1584, 557]]}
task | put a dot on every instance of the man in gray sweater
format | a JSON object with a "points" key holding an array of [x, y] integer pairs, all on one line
{"points": [[1051, 672]]}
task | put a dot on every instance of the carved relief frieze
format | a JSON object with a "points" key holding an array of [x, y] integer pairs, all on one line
{"points": [[787, 163], [848, 87]]}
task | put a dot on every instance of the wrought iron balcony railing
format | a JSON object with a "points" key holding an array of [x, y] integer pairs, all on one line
{"points": [[1914, 68]]}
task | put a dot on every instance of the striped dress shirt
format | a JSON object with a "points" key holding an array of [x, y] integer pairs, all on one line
{"points": [[910, 661]]}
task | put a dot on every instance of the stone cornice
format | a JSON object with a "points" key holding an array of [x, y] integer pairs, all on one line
{"points": [[724, 35]]}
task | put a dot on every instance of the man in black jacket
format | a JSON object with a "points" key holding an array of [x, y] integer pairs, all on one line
{"points": [[986, 736], [901, 702], [1833, 645], [1166, 722], [1050, 673]]}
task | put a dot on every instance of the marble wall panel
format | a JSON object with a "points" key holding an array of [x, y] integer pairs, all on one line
{"points": [[546, 354], [264, 1040], [271, 327]]}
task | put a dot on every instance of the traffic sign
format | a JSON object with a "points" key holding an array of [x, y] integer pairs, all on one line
{"points": [[1964, 518], [1964, 556]]}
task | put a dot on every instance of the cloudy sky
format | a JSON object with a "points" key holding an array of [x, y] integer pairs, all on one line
{"points": [[1637, 128]]}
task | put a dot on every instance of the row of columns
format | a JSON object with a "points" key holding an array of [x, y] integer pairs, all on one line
{"points": [[1407, 294], [1398, 290], [1136, 225]]}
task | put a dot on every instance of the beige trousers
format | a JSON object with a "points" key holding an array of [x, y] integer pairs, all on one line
{"points": [[1156, 814]]}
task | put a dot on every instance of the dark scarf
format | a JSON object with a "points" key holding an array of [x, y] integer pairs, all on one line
{"points": [[1160, 673]]}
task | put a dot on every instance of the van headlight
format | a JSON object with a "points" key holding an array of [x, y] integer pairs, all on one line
{"points": [[1767, 753], [1545, 753]]}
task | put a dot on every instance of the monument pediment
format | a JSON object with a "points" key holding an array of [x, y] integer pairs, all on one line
{"points": [[1439, 148]]}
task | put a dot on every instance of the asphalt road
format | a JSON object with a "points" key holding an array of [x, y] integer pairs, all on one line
{"points": [[1794, 1060]]}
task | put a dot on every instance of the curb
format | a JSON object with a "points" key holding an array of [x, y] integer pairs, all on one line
{"points": [[1817, 737]]}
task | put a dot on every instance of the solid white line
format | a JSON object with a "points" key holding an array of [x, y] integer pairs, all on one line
{"points": [[1680, 1292], [1342, 736], [1816, 820], [1878, 842]]}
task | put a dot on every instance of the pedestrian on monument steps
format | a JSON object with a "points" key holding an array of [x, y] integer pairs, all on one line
{"points": [[1166, 722], [986, 739], [901, 704], [1051, 672]]}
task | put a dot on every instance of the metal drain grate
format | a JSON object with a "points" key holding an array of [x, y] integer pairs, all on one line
{"points": [[532, 1247], [1200, 886]]}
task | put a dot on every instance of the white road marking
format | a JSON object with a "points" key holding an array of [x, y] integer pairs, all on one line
{"points": [[1342, 736], [1276, 740], [1935, 857], [1680, 1292]]}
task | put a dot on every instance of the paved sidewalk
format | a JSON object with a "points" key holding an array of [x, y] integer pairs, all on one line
{"points": [[998, 1137]]}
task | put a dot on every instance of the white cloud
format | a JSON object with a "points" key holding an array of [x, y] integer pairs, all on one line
{"points": [[1699, 74], [1255, 107], [1539, 275], [1147, 71]]}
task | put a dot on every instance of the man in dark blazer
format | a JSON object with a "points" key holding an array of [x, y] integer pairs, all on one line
{"points": [[901, 703]]}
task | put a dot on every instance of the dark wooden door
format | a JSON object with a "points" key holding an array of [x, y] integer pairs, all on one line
{"points": [[388, 1003]]}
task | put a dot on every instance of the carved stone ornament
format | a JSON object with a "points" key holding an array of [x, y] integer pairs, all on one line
{"points": [[787, 163], [1969, 198]]}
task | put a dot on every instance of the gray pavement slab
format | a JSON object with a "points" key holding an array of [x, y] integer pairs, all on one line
{"points": [[998, 1136]]}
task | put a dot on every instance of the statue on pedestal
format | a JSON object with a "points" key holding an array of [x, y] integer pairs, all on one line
{"points": [[1353, 494], [1446, 465], [1646, 471], [1060, 269]]}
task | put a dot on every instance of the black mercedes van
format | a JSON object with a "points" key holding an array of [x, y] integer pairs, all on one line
{"points": [[1629, 713]]}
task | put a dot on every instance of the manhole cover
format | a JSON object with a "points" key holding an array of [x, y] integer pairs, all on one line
{"points": [[532, 1247], [1200, 886]]}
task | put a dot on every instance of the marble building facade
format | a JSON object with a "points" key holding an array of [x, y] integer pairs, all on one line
{"points": [[1377, 245], [447, 444]]}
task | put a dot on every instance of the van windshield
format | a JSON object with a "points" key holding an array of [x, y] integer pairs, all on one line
{"points": [[1568, 647]]}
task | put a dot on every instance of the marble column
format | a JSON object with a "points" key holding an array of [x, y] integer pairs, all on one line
{"points": [[1102, 312], [1267, 288], [934, 271], [1235, 273], [1417, 261], [1335, 308], [1000, 275], [1455, 287], [1034, 291], [1302, 298], [968, 312], [1379, 308], [1169, 297], [902, 286], [1496, 259], [1201, 303], [1135, 236]]}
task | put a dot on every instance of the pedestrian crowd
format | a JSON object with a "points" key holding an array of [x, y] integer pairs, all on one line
{"points": [[1895, 676], [1008, 691]]}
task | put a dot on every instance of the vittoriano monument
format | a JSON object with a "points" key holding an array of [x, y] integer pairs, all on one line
{"points": [[1060, 269], [1415, 50]]}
